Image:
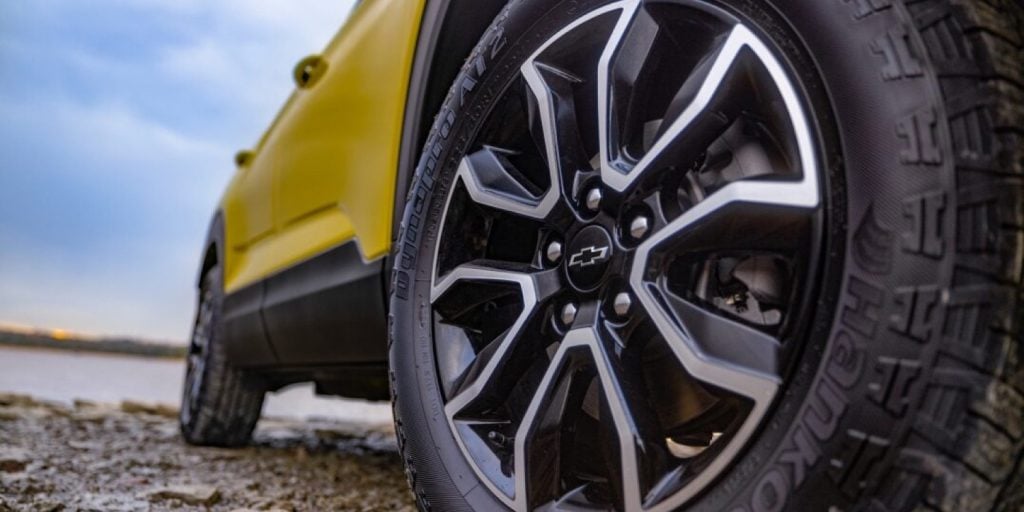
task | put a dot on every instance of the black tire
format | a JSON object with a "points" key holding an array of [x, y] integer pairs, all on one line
{"points": [[908, 393], [220, 404]]}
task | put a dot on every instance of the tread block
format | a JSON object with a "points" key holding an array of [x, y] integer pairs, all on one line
{"points": [[939, 481], [858, 468], [865, 8], [926, 215], [989, 241], [917, 311], [919, 133], [894, 384], [900, 60]]}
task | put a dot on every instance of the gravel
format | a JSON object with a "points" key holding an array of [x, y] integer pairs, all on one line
{"points": [[129, 456]]}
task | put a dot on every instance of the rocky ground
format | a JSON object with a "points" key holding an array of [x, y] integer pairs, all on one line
{"points": [[130, 457]]}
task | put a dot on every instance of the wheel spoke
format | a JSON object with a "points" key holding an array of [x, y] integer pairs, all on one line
{"points": [[689, 112], [724, 340], [556, 127], [619, 69], [533, 440], [697, 109], [491, 373], [534, 286], [496, 177], [690, 331], [492, 180], [628, 44], [700, 111], [801, 195]]}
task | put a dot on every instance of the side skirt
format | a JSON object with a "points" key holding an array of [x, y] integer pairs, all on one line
{"points": [[325, 311]]}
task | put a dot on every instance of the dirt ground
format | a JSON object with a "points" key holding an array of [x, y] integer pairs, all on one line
{"points": [[129, 456]]}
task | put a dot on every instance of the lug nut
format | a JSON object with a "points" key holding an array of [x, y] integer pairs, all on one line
{"points": [[594, 199], [554, 251], [499, 439], [638, 228], [568, 313], [622, 303]]}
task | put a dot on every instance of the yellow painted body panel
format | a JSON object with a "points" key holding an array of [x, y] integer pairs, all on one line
{"points": [[324, 172]]}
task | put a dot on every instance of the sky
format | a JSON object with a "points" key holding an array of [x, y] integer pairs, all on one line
{"points": [[119, 120]]}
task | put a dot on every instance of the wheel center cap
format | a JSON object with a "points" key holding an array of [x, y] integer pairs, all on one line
{"points": [[588, 257]]}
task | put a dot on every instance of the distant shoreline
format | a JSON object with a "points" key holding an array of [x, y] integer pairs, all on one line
{"points": [[123, 346]]}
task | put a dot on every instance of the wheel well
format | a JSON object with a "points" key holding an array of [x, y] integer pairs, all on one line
{"points": [[209, 261]]}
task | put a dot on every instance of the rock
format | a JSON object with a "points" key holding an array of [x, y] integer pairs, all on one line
{"points": [[80, 403], [281, 506], [15, 399], [188, 494], [85, 445], [166, 431], [334, 435], [13, 460], [47, 506], [25, 412], [224, 453], [53, 405], [90, 415], [167, 411], [163, 410], [133, 407], [58, 409]]}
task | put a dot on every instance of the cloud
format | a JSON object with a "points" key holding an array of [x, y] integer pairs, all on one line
{"points": [[116, 140], [104, 235], [112, 133]]}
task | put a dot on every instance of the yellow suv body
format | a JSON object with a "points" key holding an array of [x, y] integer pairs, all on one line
{"points": [[324, 172], [304, 228]]}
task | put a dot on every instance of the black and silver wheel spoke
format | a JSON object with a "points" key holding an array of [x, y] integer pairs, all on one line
{"points": [[624, 261], [537, 439], [490, 176], [481, 367], [533, 288]]}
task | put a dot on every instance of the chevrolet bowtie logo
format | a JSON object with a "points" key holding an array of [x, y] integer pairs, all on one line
{"points": [[588, 256]]}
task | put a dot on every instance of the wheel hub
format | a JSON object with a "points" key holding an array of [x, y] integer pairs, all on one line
{"points": [[587, 261]]}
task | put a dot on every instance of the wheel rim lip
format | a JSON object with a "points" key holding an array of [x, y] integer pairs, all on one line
{"points": [[810, 197]]}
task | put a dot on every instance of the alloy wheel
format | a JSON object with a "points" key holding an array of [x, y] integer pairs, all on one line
{"points": [[624, 269]]}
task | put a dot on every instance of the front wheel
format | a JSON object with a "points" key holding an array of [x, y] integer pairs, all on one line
{"points": [[719, 255], [220, 404]]}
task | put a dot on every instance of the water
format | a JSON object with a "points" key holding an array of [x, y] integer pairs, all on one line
{"points": [[65, 375]]}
